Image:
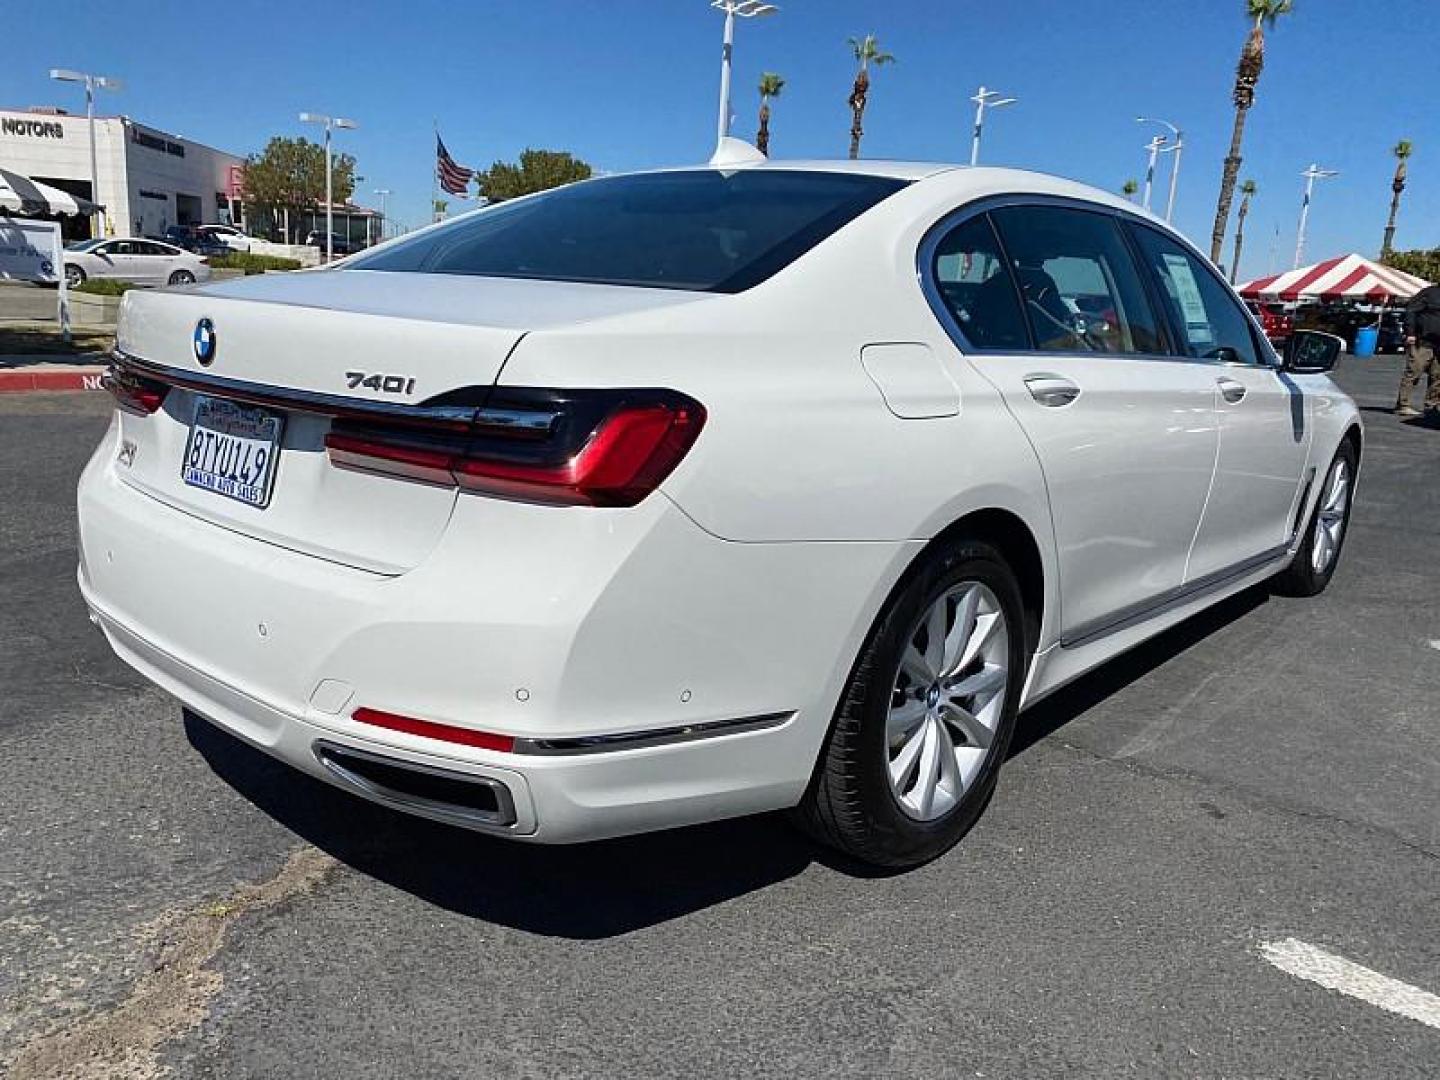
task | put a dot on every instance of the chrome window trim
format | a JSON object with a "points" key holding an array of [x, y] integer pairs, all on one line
{"points": [[938, 230]]}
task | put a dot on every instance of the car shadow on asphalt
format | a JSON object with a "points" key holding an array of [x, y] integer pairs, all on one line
{"points": [[582, 891], [611, 887], [1050, 715]]}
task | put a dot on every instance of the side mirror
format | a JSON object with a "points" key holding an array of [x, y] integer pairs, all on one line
{"points": [[1311, 352]]}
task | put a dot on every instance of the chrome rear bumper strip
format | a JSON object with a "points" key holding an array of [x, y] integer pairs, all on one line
{"points": [[595, 744]]}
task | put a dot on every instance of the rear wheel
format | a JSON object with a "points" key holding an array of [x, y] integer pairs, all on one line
{"points": [[73, 275], [921, 732], [1314, 563], [182, 277]]}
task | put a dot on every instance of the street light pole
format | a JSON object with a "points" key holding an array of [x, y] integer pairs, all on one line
{"points": [[383, 193], [91, 83], [745, 9], [1313, 173], [984, 99], [329, 122], [1153, 146], [1176, 147]]}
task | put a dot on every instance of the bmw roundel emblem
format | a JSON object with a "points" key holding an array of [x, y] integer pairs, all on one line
{"points": [[204, 342]]}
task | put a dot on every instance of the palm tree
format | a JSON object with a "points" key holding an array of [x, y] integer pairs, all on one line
{"points": [[770, 87], [1129, 188], [867, 51], [1247, 192], [1402, 152], [1247, 74]]}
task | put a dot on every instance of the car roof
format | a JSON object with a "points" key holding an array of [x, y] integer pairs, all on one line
{"points": [[961, 180]]}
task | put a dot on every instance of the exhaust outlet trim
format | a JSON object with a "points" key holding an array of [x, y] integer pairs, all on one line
{"points": [[417, 788]]}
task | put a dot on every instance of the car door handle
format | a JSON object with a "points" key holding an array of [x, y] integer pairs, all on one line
{"points": [[1231, 390], [1052, 391]]}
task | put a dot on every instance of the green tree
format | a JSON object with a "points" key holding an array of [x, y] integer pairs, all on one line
{"points": [[1263, 13], [290, 175], [537, 170], [770, 87], [1402, 151], [1129, 188], [1247, 192], [867, 51], [1425, 264]]}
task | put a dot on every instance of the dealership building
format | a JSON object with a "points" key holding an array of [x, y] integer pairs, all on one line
{"points": [[148, 179]]}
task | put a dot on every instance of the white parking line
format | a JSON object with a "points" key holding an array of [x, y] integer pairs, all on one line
{"points": [[1305, 961]]}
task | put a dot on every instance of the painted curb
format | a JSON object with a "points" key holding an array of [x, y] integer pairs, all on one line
{"points": [[78, 378]]}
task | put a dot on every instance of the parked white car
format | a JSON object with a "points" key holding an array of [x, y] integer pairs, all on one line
{"points": [[661, 498], [144, 262], [231, 237]]}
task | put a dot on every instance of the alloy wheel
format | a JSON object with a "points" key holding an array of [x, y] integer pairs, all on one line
{"points": [[1330, 524], [947, 700]]}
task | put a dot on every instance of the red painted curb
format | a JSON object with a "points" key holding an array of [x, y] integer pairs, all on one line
{"points": [[19, 382]]}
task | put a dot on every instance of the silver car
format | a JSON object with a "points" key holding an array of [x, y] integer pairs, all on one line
{"points": [[144, 262]]}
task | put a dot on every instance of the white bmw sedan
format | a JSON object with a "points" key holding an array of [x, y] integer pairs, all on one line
{"points": [[668, 497]]}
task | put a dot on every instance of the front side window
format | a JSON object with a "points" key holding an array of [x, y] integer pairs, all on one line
{"points": [[970, 276], [1211, 323], [694, 229], [1082, 291]]}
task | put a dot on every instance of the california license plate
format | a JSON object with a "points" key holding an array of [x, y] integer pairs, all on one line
{"points": [[232, 450]]}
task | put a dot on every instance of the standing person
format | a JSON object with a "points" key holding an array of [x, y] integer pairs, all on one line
{"points": [[1422, 350]]}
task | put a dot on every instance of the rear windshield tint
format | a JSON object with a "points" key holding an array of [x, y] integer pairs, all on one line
{"points": [[700, 230]]}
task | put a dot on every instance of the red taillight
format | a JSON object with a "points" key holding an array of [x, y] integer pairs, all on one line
{"points": [[627, 457], [601, 448], [134, 392], [429, 729]]}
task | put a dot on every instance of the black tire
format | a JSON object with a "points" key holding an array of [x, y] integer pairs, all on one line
{"points": [[1301, 578], [73, 276], [182, 277], [850, 804]]}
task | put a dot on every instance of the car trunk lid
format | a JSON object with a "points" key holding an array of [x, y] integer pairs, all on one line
{"points": [[280, 357]]}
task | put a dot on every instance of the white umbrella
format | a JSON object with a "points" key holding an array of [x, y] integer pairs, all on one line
{"points": [[21, 195]]}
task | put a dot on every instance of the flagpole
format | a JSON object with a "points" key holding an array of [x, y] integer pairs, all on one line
{"points": [[435, 176]]}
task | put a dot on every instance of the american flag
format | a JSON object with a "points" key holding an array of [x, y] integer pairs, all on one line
{"points": [[454, 178]]}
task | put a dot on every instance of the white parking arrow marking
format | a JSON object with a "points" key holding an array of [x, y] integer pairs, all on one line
{"points": [[1305, 961]]}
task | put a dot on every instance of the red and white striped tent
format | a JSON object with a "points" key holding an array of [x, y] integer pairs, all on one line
{"points": [[1345, 277]]}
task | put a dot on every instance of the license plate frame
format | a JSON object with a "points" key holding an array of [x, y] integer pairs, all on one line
{"points": [[233, 437]]}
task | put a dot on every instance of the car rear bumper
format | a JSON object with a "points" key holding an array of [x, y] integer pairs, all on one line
{"points": [[574, 629]]}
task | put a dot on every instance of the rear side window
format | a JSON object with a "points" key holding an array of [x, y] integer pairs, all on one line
{"points": [[1082, 291], [700, 229], [974, 286], [1211, 323]]}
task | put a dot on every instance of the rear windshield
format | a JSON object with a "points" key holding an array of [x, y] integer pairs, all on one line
{"points": [[701, 230]]}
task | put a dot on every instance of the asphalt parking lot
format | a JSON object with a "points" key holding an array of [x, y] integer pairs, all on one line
{"points": [[170, 899]]}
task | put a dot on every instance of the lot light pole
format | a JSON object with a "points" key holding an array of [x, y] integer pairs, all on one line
{"points": [[91, 83], [1176, 146], [383, 192], [329, 122], [746, 9], [984, 99], [1313, 173], [1155, 145]]}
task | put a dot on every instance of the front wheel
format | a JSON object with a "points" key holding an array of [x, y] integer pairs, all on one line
{"points": [[182, 277], [74, 276], [1319, 553], [922, 729]]}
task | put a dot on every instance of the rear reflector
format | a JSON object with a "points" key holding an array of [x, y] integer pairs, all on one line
{"points": [[599, 448], [428, 729]]}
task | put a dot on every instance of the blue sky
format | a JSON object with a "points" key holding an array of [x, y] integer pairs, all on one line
{"points": [[633, 83]]}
